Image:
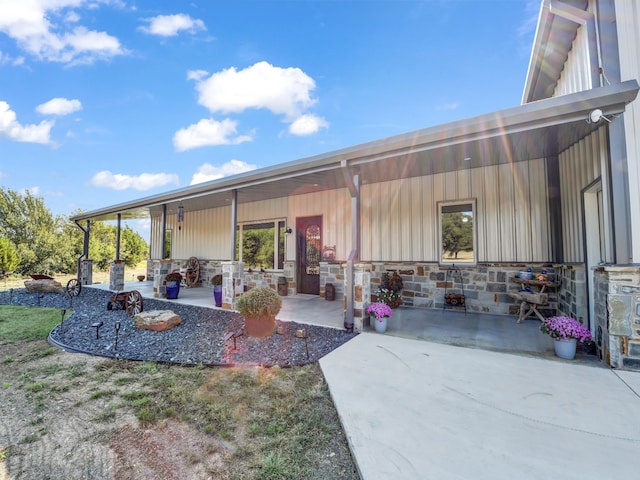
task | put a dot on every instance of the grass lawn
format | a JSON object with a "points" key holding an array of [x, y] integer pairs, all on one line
{"points": [[236, 423], [25, 323]]}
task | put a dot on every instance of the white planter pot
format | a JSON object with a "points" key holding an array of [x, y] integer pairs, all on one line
{"points": [[565, 348]]}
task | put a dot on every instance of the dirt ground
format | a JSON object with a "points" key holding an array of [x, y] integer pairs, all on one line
{"points": [[62, 417]]}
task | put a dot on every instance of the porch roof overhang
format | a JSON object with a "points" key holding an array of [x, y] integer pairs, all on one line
{"points": [[534, 130]]}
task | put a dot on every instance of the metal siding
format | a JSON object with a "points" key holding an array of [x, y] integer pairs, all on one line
{"points": [[405, 216], [429, 219], [414, 193], [576, 75], [478, 192], [522, 211], [493, 238], [539, 214], [580, 165], [506, 213], [628, 22]]}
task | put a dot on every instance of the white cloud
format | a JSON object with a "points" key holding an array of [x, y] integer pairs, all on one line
{"points": [[171, 25], [48, 30], [59, 106], [144, 181], [283, 91], [13, 130], [208, 132], [307, 124], [208, 172]]}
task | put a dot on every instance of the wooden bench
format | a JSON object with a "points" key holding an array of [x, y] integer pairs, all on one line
{"points": [[529, 303]]}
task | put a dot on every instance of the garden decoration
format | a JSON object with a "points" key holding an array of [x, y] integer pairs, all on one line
{"points": [[379, 312], [565, 332], [390, 290], [172, 283], [217, 289], [130, 301], [259, 307]]}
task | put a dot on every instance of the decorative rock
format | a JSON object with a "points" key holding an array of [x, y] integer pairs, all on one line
{"points": [[43, 286], [157, 320]]}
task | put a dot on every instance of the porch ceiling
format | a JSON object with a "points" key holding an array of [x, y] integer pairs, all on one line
{"points": [[534, 130]]}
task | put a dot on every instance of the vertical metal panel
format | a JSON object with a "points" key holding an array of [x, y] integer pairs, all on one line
{"points": [[522, 211], [576, 75], [628, 20], [405, 215], [493, 238], [506, 213], [580, 165], [539, 214], [429, 234], [478, 192]]}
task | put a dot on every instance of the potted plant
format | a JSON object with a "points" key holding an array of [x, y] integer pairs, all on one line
{"points": [[378, 313], [172, 283], [390, 291], [565, 332], [259, 307], [216, 281]]}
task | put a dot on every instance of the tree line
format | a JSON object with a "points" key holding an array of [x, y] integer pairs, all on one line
{"points": [[33, 240]]}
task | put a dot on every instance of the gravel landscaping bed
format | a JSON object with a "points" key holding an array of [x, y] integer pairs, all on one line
{"points": [[198, 340]]}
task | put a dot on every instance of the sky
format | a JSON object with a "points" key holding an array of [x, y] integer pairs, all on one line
{"points": [[106, 101]]}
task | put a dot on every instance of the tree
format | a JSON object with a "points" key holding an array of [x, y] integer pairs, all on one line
{"points": [[457, 233], [25, 220], [133, 248], [9, 258]]}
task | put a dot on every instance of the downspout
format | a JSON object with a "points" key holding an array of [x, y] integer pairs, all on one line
{"points": [[353, 184], [118, 237], [234, 221], [164, 232], [85, 246]]}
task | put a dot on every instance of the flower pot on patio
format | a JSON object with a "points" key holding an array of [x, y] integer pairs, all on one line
{"points": [[217, 289]]}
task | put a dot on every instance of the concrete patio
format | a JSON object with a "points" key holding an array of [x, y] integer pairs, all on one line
{"points": [[451, 327]]}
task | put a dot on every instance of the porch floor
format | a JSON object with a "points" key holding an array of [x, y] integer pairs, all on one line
{"points": [[452, 327]]}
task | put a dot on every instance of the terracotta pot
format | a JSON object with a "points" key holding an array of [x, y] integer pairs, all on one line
{"points": [[259, 326]]}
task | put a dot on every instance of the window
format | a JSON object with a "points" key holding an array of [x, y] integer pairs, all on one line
{"points": [[167, 245], [262, 245], [457, 232]]}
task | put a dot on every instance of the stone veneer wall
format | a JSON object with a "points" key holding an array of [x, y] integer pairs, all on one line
{"points": [[486, 286], [601, 320], [623, 316], [86, 272], [332, 272], [572, 293]]}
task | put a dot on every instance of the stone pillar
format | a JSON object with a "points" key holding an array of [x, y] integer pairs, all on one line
{"points": [[290, 272], [232, 283], [86, 272], [116, 275], [160, 270], [623, 306], [362, 294]]}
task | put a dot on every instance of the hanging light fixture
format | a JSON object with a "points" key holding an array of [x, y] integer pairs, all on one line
{"points": [[180, 216]]}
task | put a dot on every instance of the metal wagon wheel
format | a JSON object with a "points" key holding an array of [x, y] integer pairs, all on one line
{"points": [[133, 303], [193, 271], [74, 287]]}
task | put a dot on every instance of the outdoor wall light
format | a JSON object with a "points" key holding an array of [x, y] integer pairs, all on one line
{"points": [[288, 230], [596, 115]]}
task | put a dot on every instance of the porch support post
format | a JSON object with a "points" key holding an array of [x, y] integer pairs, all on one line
{"points": [[234, 222], [118, 237], [164, 231], [619, 189], [353, 184], [555, 210]]}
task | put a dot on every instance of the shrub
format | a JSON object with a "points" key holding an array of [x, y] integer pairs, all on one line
{"points": [[173, 277], [259, 302], [216, 280]]}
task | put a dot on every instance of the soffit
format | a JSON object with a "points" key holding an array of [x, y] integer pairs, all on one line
{"points": [[534, 130]]}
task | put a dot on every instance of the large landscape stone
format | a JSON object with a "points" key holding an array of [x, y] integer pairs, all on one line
{"points": [[43, 286], [157, 320]]}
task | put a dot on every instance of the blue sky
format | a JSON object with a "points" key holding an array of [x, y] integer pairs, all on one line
{"points": [[104, 101]]}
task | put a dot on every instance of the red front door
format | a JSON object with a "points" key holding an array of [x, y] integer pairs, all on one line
{"points": [[309, 249]]}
